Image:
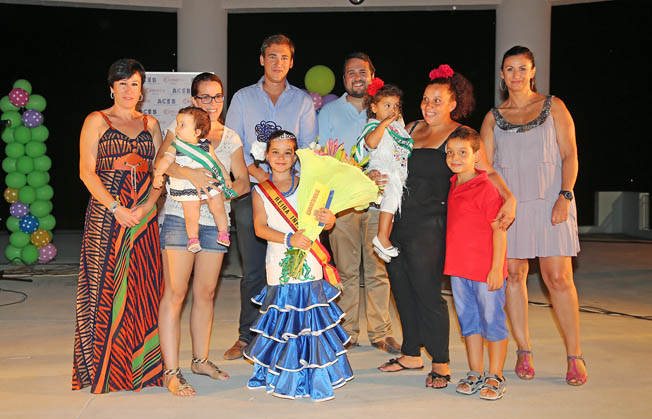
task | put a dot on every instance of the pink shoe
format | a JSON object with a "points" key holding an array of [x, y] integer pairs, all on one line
{"points": [[525, 371], [193, 245], [573, 376], [223, 238]]}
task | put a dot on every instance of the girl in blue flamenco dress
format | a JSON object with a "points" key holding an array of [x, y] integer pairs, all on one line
{"points": [[299, 347]]}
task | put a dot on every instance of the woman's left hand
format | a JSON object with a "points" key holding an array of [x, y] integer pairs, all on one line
{"points": [[325, 216], [141, 210], [560, 210], [506, 214]]}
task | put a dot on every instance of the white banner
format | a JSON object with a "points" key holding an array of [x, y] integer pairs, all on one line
{"points": [[165, 93]]}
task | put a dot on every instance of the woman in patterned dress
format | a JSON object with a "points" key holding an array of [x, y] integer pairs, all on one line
{"points": [[179, 263], [530, 139], [116, 329]]}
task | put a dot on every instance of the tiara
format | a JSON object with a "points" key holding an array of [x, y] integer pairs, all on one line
{"points": [[285, 136]]}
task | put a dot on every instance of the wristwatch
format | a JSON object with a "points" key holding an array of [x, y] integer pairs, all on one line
{"points": [[567, 194], [114, 206]]}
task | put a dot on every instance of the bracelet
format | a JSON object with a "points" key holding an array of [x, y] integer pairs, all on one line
{"points": [[288, 236]]}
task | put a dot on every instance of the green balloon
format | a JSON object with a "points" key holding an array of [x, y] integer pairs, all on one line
{"points": [[25, 164], [13, 117], [19, 239], [37, 179], [40, 208], [13, 254], [27, 194], [13, 224], [320, 79], [8, 135], [46, 223], [35, 149], [15, 180], [44, 193], [29, 254], [23, 84], [6, 105], [36, 102], [42, 163], [40, 133], [15, 150], [22, 134], [9, 164]]}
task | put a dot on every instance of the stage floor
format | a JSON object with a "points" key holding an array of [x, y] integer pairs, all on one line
{"points": [[36, 345]]}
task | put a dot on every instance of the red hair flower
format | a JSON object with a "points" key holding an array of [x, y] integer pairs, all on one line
{"points": [[443, 71], [375, 86]]}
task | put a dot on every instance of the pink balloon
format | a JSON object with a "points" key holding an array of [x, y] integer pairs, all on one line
{"points": [[316, 100], [47, 253], [18, 97]]}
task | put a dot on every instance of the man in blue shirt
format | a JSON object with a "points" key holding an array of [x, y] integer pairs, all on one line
{"points": [[255, 112], [343, 119]]}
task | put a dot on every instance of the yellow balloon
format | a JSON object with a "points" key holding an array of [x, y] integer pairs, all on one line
{"points": [[41, 237], [11, 195]]}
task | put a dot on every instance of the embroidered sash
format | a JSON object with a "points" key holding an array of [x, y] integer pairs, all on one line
{"points": [[289, 214], [207, 162]]}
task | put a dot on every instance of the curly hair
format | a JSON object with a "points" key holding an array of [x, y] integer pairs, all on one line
{"points": [[201, 118], [386, 90], [462, 92]]}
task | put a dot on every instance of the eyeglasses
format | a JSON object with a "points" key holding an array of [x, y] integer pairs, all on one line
{"points": [[206, 99]]}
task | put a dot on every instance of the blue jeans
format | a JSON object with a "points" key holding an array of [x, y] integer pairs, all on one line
{"points": [[254, 275], [480, 311]]}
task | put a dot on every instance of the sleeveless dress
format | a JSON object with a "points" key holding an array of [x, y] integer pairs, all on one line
{"points": [[528, 159], [415, 275], [120, 279], [298, 350]]}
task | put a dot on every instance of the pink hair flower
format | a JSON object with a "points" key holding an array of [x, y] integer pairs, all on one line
{"points": [[443, 71], [375, 86]]}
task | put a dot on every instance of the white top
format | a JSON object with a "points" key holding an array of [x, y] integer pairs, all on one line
{"points": [[276, 251], [230, 143]]}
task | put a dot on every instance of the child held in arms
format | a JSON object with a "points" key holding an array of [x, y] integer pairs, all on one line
{"points": [[475, 260]]}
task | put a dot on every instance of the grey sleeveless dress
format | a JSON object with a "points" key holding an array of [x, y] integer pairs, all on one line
{"points": [[527, 157]]}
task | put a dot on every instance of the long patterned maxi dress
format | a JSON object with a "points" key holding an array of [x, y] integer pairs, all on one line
{"points": [[120, 279]]}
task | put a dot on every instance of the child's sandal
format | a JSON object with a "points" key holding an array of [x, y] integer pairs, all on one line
{"points": [[472, 385], [223, 238], [193, 245], [498, 391]]}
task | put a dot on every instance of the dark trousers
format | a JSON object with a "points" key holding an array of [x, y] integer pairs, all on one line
{"points": [[415, 277], [252, 250]]}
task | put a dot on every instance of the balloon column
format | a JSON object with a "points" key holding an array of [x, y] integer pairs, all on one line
{"points": [[26, 165], [320, 81]]}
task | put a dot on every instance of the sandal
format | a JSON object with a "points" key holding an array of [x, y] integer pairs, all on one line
{"points": [[525, 371], [217, 373], [473, 385], [183, 385], [499, 390], [193, 245], [573, 376], [397, 362], [223, 238], [391, 251], [435, 375]]}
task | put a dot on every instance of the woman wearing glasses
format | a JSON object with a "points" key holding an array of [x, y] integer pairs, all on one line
{"points": [[207, 94]]}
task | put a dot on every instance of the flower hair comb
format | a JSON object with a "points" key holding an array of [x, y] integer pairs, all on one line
{"points": [[375, 86], [443, 71]]}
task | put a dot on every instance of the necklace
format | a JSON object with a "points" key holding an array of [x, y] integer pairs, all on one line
{"points": [[291, 190]]}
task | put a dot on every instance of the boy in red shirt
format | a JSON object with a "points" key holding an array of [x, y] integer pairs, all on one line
{"points": [[475, 260]]}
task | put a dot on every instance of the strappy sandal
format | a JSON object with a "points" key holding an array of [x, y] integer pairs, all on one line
{"points": [[525, 371], [217, 373], [573, 376], [182, 386], [432, 375], [193, 245], [397, 362], [223, 238], [498, 391], [472, 385]]}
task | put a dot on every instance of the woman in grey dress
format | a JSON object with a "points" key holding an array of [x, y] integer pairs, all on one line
{"points": [[530, 140]]}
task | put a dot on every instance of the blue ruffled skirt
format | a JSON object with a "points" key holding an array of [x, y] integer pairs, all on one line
{"points": [[299, 347]]}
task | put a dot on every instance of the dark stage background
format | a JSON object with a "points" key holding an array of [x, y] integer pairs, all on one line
{"points": [[599, 68]]}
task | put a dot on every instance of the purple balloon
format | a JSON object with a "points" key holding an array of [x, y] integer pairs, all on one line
{"points": [[32, 118], [316, 100], [328, 98], [47, 253], [18, 209]]}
